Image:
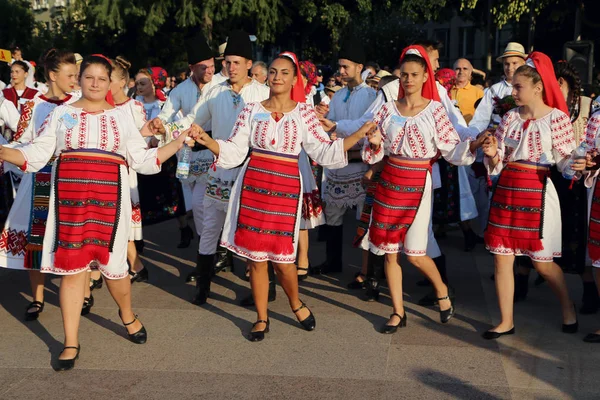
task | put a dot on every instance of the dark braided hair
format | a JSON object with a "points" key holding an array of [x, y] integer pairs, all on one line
{"points": [[566, 70]]}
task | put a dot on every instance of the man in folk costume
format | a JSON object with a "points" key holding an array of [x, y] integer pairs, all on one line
{"points": [[218, 110], [182, 99], [342, 188]]}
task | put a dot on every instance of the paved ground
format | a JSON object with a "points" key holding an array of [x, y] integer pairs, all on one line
{"points": [[201, 352]]}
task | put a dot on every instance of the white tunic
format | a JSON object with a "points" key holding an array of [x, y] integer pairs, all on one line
{"points": [[183, 99], [9, 115], [220, 107], [17, 225], [420, 136], [299, 130], [484, 114], [343, 187], [548, 140], [111, 130], [136, 110]]}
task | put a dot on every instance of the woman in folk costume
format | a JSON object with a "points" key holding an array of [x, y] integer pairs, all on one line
{"points": [[264, 214], [19, 93], [89, 211], [118, 80], [23, 235], [412, 131], [9, 118], [525, 211]]}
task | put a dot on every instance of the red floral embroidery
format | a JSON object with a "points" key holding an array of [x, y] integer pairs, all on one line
{"points": [[116, 134], [103, 133]]}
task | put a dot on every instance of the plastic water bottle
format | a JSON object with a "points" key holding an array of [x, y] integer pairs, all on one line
{"points": [[579, 153], [183, 166]]}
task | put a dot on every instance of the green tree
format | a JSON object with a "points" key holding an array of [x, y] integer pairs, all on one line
{"points": [[17, 24]]}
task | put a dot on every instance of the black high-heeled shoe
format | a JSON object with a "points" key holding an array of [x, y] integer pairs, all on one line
{"points": [[309, 323], [446, 315], [96, 284], [88, 303], [32, 316], [139, 337], [571, 328], [257, 336], [389, 329], [303, 276], [140, 276], [66, 365]]}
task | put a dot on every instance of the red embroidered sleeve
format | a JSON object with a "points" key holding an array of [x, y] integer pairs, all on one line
{"points": [[563, 137], [592, 130], [242, 119], [381, 116], [311, 121], [444, 128]]}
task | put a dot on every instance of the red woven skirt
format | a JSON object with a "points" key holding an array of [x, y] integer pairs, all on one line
{"points": [[87, 207], [269, 203], [397, 199], [365, 216], [594, 234], [517, 208]]}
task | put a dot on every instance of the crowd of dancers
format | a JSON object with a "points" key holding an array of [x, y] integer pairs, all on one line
{"points": [[264, 163]]}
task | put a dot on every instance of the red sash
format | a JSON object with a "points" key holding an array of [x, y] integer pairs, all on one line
{"points": [[594, 235], [269, 202], [88, 200], [397, 199], [517, 208]]}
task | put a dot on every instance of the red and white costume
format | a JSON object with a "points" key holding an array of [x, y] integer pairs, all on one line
{"points": [[264, 213], [85, 227]]}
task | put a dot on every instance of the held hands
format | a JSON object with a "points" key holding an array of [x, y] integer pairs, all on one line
{"points": [[156, 126], [327, 125], [481, 139], [372, 134], [490, 146], [366, 179], [198, 134]]}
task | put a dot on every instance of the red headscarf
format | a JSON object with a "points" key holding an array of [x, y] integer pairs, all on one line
{"points": [[298, 93], [309, 70], [429, 90], [109, 98], [159, 79], [553, 97]]}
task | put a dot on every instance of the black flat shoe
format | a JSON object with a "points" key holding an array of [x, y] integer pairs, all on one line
{"points": [[309, 323], [66, 365], [186, 237], [96, 284], [139, 337], [571, 328], [257, 336], [32, 316], [248, 301], [88, 303], [140, 276], [446, 315], [489, 335], [372, 292], [592, 338], [303, 275], [355, 284], [389, 329]]}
